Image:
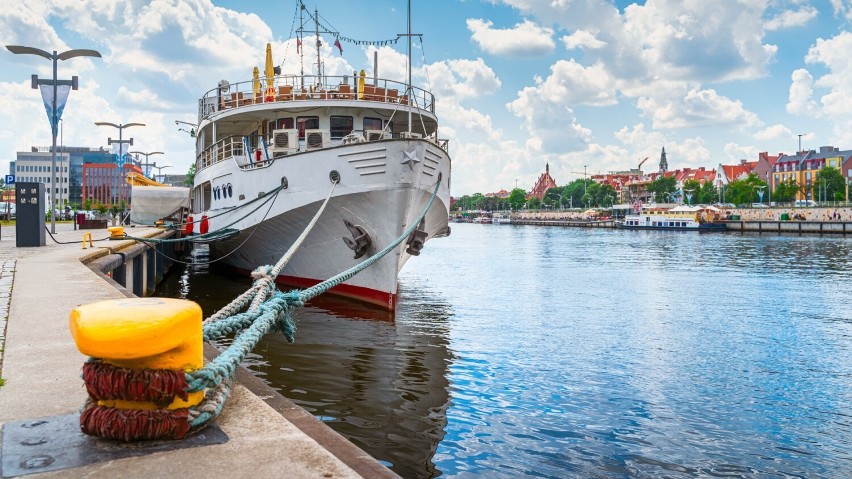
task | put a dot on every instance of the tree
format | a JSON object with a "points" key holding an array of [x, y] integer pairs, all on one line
{"points": [[785, 191], [744, 192], [662, 187], [690, 189], [517, 198], [534, 203], [572, 193], [707, 194], [829, 185], [190, 176]]}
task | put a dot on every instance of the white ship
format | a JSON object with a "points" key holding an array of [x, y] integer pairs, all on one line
{"points": [[292, 137]]}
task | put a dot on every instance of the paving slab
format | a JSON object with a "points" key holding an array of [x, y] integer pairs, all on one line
{"points": [[268, 436]]}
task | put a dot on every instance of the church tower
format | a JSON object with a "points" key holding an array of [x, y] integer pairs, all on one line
{"points": [[664, 165]]}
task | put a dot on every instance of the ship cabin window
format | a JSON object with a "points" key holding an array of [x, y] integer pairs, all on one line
{"points": [[283, 124], [306, 123], [341, 126], [377, 124]]}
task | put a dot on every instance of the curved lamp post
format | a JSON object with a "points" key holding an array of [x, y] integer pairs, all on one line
{"points": [[160, 171], [146, 164], [54, 117], [119, 161]]}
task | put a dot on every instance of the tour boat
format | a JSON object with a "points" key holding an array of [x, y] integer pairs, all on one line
{"points": [[684, 217], [269, 152], [501, 219]]}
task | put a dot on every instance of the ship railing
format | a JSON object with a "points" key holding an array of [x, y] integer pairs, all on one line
{"points": [[224, 149], [287, 88]]}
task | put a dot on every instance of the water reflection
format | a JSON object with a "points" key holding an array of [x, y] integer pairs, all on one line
{"points": [[380, 382]]}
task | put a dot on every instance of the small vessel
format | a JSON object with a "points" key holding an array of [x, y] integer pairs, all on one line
{"points": [[501, 219], [684, 217], [269, 152]]}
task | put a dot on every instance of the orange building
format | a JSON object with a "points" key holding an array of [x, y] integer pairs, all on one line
{"points": [[103, 183]]}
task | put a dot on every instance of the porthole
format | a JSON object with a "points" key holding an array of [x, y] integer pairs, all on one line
{"points": [[230, 191], [284, 183], [334, 176]]}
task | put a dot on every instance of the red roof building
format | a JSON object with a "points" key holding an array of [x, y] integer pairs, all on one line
{"points": [[544, 183]]}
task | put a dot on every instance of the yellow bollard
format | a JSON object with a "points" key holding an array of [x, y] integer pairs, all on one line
{"points": [[142, 348], [89, 236], [116, 232]]}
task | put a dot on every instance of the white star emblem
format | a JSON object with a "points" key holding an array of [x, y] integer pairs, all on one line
{"points": [[410, 158]]}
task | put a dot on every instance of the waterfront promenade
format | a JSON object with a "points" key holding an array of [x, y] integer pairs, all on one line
{"points": [[268, 436]]}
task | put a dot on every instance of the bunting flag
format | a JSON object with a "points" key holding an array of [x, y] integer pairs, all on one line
{"points": [[298, 45], [120, 151], [337, 44], [61, 97]]}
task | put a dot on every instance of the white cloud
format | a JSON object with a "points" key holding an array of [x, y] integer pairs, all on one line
{"points": [[524, 39], [462, 79], [774, 132], [735, 152], [800, 100], [791, 18], [582, 39], [697, 108], [691, 152]]}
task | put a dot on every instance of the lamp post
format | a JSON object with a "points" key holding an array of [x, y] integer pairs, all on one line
{"points": [[119, 163], [689, 195], [159, 172], [73, 83], [146, 164]]}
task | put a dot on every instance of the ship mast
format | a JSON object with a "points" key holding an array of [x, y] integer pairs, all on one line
{"points": [[319, 44], [408, 87], [301, 46]]}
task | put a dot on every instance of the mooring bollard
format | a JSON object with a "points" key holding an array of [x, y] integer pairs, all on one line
{"points": [[140, 349], [89, 237]]}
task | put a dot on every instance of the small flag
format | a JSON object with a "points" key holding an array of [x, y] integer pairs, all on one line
{"points": [[337, 44], [61, 97], [298, 45]]}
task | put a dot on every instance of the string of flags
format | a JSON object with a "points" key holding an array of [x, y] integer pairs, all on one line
{"points": [[391, 41]]}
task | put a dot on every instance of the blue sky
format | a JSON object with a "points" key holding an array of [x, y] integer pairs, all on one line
{"points": [[518, 83]]}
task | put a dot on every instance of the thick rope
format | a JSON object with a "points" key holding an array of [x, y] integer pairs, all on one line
{"points": [[275, 313]]}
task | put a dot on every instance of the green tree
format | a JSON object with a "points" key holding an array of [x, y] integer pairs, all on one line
{"points": [[190, 176], [572, 193], [744, 192], [707, 194], [785, 191], [690, 190], [534, 203], [829, 185], [517, 198], [662, 188], [553, 196]]}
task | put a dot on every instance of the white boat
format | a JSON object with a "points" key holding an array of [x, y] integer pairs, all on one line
{"points": [[684, 217], [501, 219], [293, 136]]}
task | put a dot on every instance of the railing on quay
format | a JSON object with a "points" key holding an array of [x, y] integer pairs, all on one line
{"points": [[299, 88]]}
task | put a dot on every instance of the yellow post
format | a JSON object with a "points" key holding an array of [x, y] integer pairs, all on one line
{"points": [[89, 236], [116, 232], [142, 348]]}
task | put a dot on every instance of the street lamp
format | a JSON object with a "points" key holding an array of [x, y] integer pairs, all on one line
{"points": [[146, 164], [52, 94], [689, 195], [159, 172], [119, 163]]}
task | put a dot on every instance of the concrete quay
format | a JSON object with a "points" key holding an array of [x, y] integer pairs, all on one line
{"points": [[268, 435]]}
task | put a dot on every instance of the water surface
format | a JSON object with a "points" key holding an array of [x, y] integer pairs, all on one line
{"points": [[523, 351]]}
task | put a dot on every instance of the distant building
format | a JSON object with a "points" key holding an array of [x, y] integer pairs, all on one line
{"points": [[544, 183], [664, 164], [172, 180], [106, 184], [803, 167]]}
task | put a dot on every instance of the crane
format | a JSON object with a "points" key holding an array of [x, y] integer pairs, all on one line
{"points": [[640, 164]]}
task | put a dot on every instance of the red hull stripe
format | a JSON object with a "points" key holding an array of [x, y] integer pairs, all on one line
{"points": [[381, 299]]}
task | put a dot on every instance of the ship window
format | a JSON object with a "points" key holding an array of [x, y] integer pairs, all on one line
{"points": [[373, 124], [341, 126], [306, 123], [284, 124]]}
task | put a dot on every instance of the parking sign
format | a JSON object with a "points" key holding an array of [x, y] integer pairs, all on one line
{"points": [[10, 179]]}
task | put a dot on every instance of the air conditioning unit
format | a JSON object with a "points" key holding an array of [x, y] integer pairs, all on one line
{"points": [[315, 139], [284, 142], [406, 134], [374, 135]]}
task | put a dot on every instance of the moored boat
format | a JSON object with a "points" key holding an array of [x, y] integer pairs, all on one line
{"points": [[684, 217], [269, 153]]}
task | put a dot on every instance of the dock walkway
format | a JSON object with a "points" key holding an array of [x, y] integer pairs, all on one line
{"points": [[268, 436]]}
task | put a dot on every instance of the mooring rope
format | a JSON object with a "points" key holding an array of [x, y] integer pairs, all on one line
{"points": [[275, 312]]}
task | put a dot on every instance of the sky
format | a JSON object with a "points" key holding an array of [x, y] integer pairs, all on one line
{"points": [[581, 85]]}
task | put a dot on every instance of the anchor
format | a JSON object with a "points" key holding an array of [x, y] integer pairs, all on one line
{"points": [[417, 239], [360, 240]]}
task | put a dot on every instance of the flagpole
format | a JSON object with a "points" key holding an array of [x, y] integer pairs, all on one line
{"points": [[53, 125]]}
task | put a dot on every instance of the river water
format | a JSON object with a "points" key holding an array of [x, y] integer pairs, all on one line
{"points": [[522, 351]]}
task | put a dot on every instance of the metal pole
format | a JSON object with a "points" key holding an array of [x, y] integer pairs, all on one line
{"points": [[53, 156]]}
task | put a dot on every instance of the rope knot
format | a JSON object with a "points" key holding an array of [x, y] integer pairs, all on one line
{"points": [[262, 272]]}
